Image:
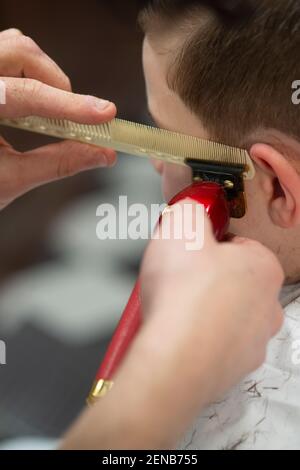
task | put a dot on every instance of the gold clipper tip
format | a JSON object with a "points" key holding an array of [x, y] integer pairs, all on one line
{"points": [[99, 390]]}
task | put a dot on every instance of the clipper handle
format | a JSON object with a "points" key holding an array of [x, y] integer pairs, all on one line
{"points": [[212, 197]]}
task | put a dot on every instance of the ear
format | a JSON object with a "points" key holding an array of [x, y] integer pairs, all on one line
{"points": [[281, 183]]}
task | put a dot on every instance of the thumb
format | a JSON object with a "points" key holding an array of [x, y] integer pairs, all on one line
{"points": [[21, 172], [56, 161]]}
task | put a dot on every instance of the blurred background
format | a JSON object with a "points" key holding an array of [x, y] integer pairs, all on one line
{"points": [[62, 291]]}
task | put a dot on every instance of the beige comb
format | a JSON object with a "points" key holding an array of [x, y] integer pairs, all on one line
{"points": [[139, 140]]}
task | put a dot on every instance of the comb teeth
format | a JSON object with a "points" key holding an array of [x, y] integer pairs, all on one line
{"points": [[173, 144], [140, 140]]}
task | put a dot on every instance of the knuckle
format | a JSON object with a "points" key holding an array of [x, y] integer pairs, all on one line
{"points": [[68, 85], [65, 166], [13, 32], [30, 92], [29, 45], [31, 89]]}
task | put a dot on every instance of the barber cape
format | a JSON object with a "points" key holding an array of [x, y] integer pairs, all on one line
{"points": [[262, 412]]}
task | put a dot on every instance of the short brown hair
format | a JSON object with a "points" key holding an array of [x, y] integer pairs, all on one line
{"points": [[235, 78]]}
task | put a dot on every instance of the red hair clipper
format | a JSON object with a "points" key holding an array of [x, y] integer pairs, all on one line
{"points": [[221, 191]]}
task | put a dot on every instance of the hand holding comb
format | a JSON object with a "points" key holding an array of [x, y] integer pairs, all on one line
{"points": [[219, 172]]}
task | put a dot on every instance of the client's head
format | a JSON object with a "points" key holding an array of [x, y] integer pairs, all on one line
{"points": [[233, 83]]}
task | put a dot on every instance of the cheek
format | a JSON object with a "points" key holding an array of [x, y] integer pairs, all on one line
{"points": [[175, 179]]}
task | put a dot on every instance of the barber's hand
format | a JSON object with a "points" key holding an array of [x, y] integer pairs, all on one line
{"points": [[208, 318], [35, 85], [210, 315]]}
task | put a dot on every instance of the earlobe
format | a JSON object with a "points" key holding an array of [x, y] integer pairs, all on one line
{"points": [[281, 184]]}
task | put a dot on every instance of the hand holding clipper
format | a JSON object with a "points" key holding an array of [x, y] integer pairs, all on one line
{"points": [[212, 196]]}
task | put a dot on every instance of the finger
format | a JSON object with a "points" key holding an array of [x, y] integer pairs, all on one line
{"points": [[26, 97], [58, 161], [20, 56], [263, 254], [9, 33]]}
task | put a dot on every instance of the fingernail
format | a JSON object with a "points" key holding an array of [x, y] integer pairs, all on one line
{"points": [[98, 103], [103, 161], [106, 161]]}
